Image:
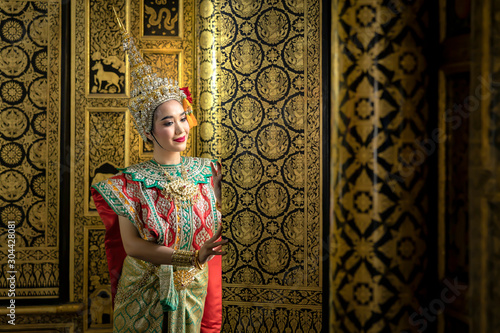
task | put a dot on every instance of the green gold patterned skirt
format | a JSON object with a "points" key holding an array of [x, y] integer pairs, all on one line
{"points": [[146, 291]]}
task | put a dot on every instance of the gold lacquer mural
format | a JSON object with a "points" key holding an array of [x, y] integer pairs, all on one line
{"points": [[106, 129], [106, 60], [30, 92], [161, 18], [268, 83]]}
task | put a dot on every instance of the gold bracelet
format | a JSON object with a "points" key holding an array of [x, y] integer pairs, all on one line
{"points": [[218, 206], [183, 258], [197, 260]]}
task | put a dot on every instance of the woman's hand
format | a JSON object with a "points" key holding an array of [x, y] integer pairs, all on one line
{"points": [[217, 178], [212, 247]]}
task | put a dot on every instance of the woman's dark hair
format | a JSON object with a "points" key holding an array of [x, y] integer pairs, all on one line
{"points": [[153, 124]]}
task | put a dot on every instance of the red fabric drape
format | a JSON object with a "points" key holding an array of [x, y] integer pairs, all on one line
{"points": [[115, 252], [212, 314]]}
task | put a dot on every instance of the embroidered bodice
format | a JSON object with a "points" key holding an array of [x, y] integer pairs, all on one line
{"points": [[137, 193]]}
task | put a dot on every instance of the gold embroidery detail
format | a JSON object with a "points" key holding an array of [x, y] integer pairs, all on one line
{"points": [[122, 296], [184, 277], [179, 189], [183, 258]]}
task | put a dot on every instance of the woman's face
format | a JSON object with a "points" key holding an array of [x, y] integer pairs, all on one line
{"points": [[170, 127]]}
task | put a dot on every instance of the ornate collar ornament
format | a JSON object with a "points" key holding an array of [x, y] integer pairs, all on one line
{"points": [[179, 189], [150, 88]]}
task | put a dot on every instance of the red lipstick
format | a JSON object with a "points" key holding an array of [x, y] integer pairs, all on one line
{"points": [[181, 139]]}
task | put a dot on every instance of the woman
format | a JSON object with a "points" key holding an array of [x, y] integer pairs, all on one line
{"points": [[162, 219]]}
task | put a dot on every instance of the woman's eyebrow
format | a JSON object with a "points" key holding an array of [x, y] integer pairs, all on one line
{"points": [[182, 114]]}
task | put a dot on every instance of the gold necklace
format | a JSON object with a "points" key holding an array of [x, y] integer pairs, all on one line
{"points": [[179, 189]]}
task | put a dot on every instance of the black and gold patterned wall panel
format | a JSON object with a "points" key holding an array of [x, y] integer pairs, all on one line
{"points": [[30, 65], [269, 82], [104, 137], [161, 18], [105, 73], [379, 169], [105, 129]]}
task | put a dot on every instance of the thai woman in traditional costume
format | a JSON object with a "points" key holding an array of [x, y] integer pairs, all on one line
{"points": [[162, 218]]}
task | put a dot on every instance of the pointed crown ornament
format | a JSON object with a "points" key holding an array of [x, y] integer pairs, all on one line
{"points": [[150, 88]]}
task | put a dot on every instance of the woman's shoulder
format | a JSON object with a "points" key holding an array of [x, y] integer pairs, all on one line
{"points": [[152, 175], [148, 173], [140, 168], [198, 168], [145, 172]]}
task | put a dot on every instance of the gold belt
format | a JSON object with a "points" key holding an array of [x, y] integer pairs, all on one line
{"points": [[184, 277]]}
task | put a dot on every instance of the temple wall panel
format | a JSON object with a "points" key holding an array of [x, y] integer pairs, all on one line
{"points": [[379, 169], [30, 93], [259, 84]]}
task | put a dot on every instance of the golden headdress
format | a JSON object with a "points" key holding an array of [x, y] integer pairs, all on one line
{"points": [[150, 89]]}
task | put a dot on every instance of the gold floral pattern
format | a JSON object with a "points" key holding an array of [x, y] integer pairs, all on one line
{"points": [[12, 30], [13, 61], [12, 92]]}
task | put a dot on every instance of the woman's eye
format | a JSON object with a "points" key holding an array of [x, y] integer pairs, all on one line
{"points": [[183, 119], [168, 123]]}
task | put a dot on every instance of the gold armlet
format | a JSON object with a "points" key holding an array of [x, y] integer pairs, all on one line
{"points": [[197, 260], [183, 258], [218, 206]]}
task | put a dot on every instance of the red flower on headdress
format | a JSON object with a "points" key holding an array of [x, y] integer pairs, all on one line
{"points": [[186, 92]]}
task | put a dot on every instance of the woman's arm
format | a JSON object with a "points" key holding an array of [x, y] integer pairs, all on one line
{"points": [[217, 178], [139, 248], [157, 254]]}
